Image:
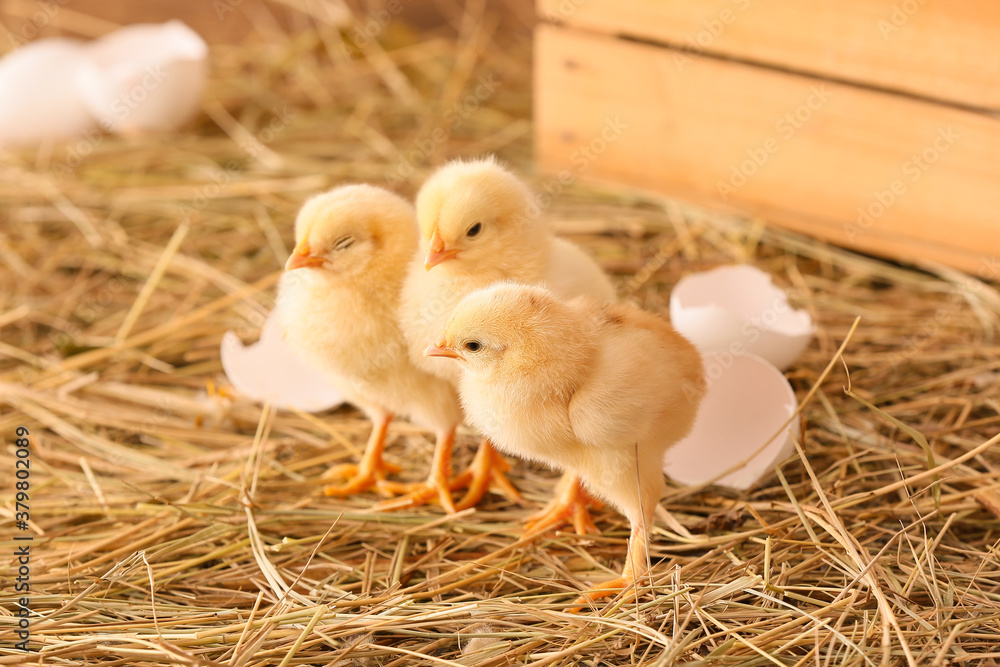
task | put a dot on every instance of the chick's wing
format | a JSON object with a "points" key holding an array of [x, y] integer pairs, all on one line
{"points": [[645, 376], [612, 407]]}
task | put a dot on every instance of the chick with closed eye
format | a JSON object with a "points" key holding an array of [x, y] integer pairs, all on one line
{"points": [[599, 390], [337, 307]]}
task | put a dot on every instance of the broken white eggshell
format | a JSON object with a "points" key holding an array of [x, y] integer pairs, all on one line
{"points": [[747, 402], [737, 308], [147, 76], [37, 99], [269, 372]]}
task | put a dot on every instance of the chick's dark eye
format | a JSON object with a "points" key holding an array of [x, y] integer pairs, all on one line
{"points": [[344, 243], [474, 230], [473, 346]]}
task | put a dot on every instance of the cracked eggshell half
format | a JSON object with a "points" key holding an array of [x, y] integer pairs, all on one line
{"points": [[37, 99], [147, 76], [747, 402], [738, 308], [269, 372]]}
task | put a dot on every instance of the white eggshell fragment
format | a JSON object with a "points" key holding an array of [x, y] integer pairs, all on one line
{"points": [[147, 76], [738, 308], [269, 372], [747, 402], [37, 99]]}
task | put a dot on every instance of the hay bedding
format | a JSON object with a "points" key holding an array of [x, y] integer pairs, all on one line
{"points": [[174, 524]]}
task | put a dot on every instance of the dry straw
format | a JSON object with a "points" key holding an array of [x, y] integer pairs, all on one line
{"points": [[175, 524]]}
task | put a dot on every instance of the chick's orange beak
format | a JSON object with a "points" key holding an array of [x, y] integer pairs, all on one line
{"points": [[302, 258], [436, 252], [440, 349]]}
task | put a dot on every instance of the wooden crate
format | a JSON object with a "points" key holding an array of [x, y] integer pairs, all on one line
{"points": [[813, 115]]}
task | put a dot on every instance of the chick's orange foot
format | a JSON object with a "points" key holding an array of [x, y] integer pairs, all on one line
{"points": [[486, 472], [438, 486], [414, 494], [360, 477], [637, 552], [369, 471], [571, 504], [604, 589]]}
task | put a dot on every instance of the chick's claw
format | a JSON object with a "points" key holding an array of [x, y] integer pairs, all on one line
{"points": [[369, 471], [359, 477], [485, 473], [414, 495], [637, 550], [439, 482], [604, 589], [570, 505]]}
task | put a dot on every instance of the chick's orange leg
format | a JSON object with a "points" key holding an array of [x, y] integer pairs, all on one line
{"points": [[369, 471], [438, 484], [486, 472], [570, 504], [635, 562]]}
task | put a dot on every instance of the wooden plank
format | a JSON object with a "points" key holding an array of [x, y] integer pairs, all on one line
{"points": [[865, 169], [942, 49]]}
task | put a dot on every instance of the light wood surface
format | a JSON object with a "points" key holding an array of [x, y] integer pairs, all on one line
{"points": [[942, 49], [814, 156]]}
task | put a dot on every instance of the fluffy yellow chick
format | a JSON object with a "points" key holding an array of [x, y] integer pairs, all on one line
{"points": [[598, 390], [337, 305], [479, 224]]}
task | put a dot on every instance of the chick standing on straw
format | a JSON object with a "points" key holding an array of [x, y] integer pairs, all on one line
{"points": [[337, 305], [479, 224], [598, 390]]}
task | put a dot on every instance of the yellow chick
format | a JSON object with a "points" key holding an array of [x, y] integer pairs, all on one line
{"points": [[479, 224], [598, 390], [337, 305]]}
